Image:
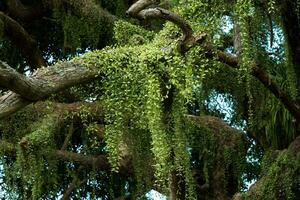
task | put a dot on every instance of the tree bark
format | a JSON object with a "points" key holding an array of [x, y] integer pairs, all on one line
{"points": [[141, 11], [42, 84]]}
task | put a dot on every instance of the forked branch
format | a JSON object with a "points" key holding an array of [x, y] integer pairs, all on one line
{"points": [[141, 10]]}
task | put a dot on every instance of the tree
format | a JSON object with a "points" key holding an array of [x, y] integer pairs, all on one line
{"points": [[110, 99]]}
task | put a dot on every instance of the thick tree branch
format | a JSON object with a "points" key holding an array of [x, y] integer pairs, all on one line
{"points": [[42, 84], [25, 86], [11, 103], [216, 126], [141, 11], [25, 13], [20, 38], [99, 162]]}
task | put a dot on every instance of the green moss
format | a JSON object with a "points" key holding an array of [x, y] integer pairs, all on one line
{"points": [[20, 124], [37, 173], [84, 23], [135, 85], [280, 180], [219, 153], [128, 34], [43, 133]]}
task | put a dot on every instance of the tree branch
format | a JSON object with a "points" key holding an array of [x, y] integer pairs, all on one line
{"points": [[68, 137], [25, 86], [25, 13], [99, 162], [139, 10], [42, 84], [74, 184], [264, 78], [11, 103], [21, 39]]}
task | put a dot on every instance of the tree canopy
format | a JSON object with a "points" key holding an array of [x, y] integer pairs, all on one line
{"points": [[195, 99]]}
